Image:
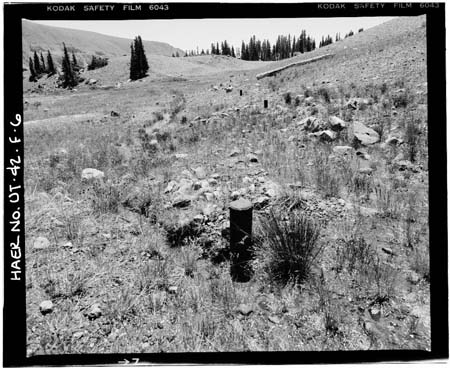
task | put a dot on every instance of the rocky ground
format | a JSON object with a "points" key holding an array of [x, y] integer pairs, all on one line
{"points": [[128, 188]]}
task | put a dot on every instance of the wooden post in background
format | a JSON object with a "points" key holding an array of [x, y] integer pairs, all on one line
{"points": [[240, 239], [240, 92], [266, 104]]}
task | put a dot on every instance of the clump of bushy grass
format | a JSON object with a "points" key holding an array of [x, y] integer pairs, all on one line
{"points": [[288, 246]]}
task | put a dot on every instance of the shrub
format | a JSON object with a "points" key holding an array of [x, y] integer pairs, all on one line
{"points": [[324, 93], [412, 139], [288, 247], [287, 98]]}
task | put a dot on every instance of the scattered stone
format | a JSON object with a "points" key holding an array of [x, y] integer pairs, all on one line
{"points": [[235, 195], [274, 319], [234, 153], [94, 312], [261, 202], [336, 123], [46, 307], [365, 135], [309, 100], [365, 170], [245, 309], [180, 156], [413, 277], [78, 335], [311, 124], [357, 103], [200, 173], [393, 141], [403, 165], [114, 113], [89, 173], [41, 243], [252, 158], [172, 289], [342, 150], [326, 135], [181, 201], [375, 313], [67, 245], [341, 202], [170, 186], [388, 251]]}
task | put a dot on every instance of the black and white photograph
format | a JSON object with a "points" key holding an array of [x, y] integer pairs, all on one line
{"points": [[225, 182]]}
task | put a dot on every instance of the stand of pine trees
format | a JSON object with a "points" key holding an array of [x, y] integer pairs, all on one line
{"points": [[38, 68], [283, 48], [97, 62], [138, 63], [69, 77], [326, 41]]}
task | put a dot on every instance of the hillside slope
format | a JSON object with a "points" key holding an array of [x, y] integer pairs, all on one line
{"points": [[37, 37]]}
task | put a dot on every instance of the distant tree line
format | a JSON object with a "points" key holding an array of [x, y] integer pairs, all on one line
{"points": [[138, 63], [284, 47]]}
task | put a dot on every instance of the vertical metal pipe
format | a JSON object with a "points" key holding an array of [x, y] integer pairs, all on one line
{"points": [[241, 212]]}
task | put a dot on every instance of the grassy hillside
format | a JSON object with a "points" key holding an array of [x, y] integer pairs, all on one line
{"points": [[37, 37], [336, 167]]}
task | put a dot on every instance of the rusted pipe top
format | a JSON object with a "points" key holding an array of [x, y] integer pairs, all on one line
{"points": [[241, 205]]}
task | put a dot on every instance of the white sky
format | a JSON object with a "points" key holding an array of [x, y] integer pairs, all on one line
{"points": [[187, 34]]}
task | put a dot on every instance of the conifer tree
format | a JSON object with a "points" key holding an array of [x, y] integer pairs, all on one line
{"points": [[232, 52], [50, 66], [44, 69], [37, 64], [32, 71], [138, 63], [133, 64], [69, 77]]}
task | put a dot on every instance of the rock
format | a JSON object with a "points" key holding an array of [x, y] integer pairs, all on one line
{"points": [[365, 170], [172, 289], [341, 202], [363, 155], [235, 195], [357, 103], [364, 135], [181, 201], [209, 196], [393, 141], [274, 319], [200, 173], [234, 153], [342, 150], [91, 81], [272, 189], [245, 309], [261, 202], [89, 173], [114, 113], [403, 165], [78, 335], [94, 312], [180, 156], [208, 210], [252, 158], [46, 307], [41, 243], [67, 245], [413, 277], [213, 182], [336, 123], [311, 124], [326, 135], [375, 313], [170, 186], [309, 100], [388, 251]]}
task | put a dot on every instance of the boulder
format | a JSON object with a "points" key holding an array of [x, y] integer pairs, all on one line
{"points": [[252, 158], [336, 123], [310, 124], [46, 307], [393, 141], [357, 103], [342, 150], [326, 135], [364, 135], [181, 201], [89, 173], [200, 173], [94, 312], [41, 243]]}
